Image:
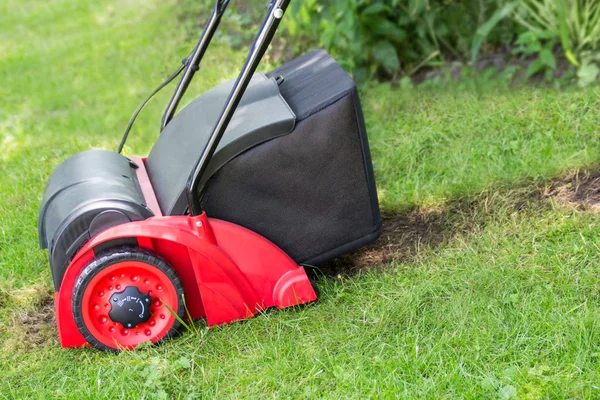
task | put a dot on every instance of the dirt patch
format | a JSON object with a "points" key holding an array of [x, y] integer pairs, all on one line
{"points": [[579, 190], [33, 322], [404, 235], [401, 239], [38, 325]]}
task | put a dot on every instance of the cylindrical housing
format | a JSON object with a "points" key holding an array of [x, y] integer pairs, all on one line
{"points": [[88, 193]]}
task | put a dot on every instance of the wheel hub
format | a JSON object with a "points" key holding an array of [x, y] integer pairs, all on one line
{"points": [[130, 307]]}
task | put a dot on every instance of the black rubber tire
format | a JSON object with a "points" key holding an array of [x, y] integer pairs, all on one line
{"points": [[113, 256]]}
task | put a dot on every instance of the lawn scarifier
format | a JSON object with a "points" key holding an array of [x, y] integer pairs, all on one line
{"points": [[285, 161]]}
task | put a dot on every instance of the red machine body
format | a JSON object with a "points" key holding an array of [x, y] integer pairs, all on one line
{"points": [[124, 272], [229, 273]]}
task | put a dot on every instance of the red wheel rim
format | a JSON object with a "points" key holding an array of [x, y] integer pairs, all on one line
{"points": [[95, 304]]}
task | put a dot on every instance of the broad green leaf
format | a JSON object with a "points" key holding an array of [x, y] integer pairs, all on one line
{"points": [[375, 8], [416, 6], [548, 58], [534, 68], [388, 29], [183, 363], [587, 74], [385, 54]]}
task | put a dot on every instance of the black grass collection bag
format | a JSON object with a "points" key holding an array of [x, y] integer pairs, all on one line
{"points": [[311, 191]]}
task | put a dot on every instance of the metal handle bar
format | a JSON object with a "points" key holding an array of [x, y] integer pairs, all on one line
{"points": [[276, 11], [193, 61]]}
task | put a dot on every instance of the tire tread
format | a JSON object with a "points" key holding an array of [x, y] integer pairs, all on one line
{"points": [[114, 256]]}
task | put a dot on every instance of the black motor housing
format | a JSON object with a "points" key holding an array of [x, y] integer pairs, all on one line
{"points": [[86, 194]]}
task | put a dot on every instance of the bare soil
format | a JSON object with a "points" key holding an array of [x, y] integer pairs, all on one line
{"points": [[38, 325], [405, 234], [33, 319], [579, 190], [401, 239]]}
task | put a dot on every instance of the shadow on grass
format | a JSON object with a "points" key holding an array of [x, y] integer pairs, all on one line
{"points": [[406, 234]]}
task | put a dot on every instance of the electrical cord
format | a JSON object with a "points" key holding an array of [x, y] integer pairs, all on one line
{"points": [[141, 106]]}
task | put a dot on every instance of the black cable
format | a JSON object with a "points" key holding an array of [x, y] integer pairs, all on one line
{"points": [[141, 107]]}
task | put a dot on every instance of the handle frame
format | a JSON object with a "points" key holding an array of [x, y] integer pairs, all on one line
{"points": [[276, 11], [192, 63]]}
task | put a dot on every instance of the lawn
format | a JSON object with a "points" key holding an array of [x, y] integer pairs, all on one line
{"points": [[490, 289]]}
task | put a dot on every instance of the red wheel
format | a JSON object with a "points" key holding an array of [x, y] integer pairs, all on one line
{"points": [[127, 296]]}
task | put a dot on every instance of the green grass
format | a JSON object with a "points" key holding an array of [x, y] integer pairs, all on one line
{"points": [[432, 145], [506, 305]]}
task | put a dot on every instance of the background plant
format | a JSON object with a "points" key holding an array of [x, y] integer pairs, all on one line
{"points": [[393, 37], [575, 23]]}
